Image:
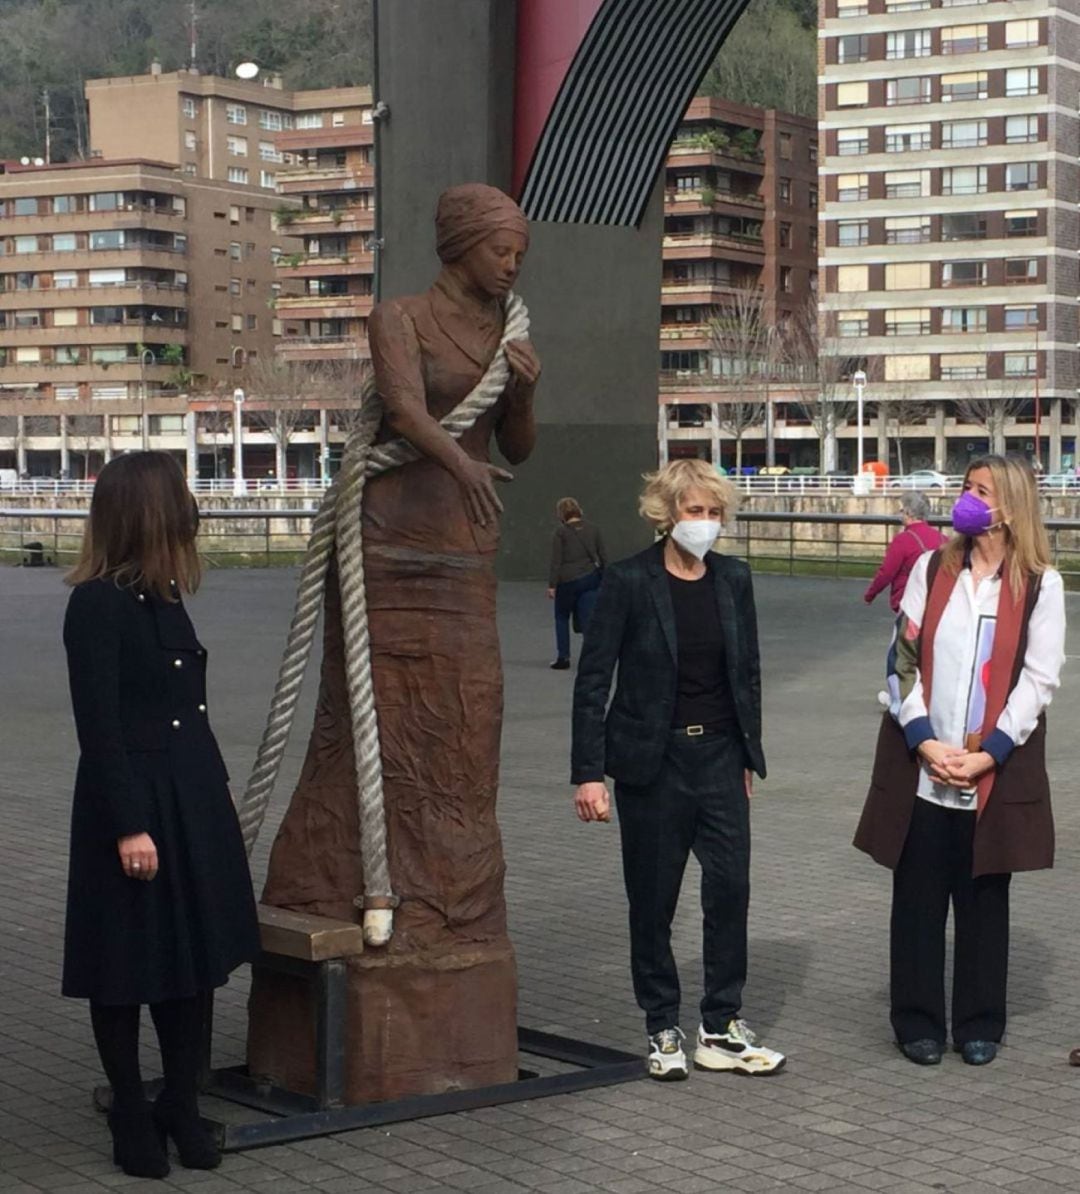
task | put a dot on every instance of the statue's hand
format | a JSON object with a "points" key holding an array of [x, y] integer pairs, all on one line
{"points": [[477, 480], [524, 364]]}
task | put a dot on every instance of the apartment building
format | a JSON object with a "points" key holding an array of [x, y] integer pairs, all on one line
{"points": [[950, 226], [740, 246]]}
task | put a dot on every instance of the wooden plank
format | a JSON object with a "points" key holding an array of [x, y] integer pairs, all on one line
{"points": [[310, 938]]}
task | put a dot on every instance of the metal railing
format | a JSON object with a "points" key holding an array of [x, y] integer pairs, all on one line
{"points": [[831, 545]]}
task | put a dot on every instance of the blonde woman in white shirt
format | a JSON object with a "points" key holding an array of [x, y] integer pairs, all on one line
{"points": [[959, 797]]}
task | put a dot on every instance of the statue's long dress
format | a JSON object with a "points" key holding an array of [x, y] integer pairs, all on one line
{"points": [[436, 1008]]}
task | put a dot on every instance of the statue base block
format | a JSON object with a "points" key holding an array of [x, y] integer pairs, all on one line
{"points": [[415, 1025]]}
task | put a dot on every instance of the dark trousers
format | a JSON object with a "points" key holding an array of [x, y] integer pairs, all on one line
{"points": [[935, 867], [574, 597], [697, 802]]}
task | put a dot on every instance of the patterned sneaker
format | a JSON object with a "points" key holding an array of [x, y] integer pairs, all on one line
{"points": [[667, 1061], [737, 1049]]}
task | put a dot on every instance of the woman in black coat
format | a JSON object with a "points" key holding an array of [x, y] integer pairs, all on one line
{"points": [[160, 905]]}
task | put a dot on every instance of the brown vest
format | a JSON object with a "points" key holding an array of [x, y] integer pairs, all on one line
{"points": [[1015, 831]]}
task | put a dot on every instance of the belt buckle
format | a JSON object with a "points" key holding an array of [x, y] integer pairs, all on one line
{"points": [[694, 731]]}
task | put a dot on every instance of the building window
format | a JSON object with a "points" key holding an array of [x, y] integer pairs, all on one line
{"points": [[963, 273], [785, 236], [964, 39], [907, 184], [1021, 269], [234, 286], [190, 141], [236, 113], [252, 322], [907, 230], [913, 90], [963, 366], [1022, 80], [853, 323], [66, 280], [1021, 223], [852, 232], [785, 279], [963, 226], [1020, 129], [270, 120], [238, 323], [960, 3], [1019, 319], [852, 142], [852, 279], [27, 356], [812, 198], [235, 250], [1021, 364], [26, 244], [913, 367], [963, 180], [337, 119], [911, 43], [907, 275], [851, 188], [812, 152], [63, 205], [784, 190], [268, 179], [962, 88], [852, 8], [24, 206], [234, 214], [905, 5], [812, 236], [906, 138], [907, 321], [268, 152], [190, 107], [1022, 176], [1021, 33], [190, 169], [963, 321], [238, 174], [853, 48], [309, 120], [852, 95], [64, 242], [963, 134], [27, 319], [237, 146]]}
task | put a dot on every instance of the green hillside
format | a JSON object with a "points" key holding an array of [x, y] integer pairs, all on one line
{"points": [[59, 44]]}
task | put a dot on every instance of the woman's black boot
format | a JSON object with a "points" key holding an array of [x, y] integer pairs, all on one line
{"points": [[138, 1147], [194, 1144], [179, 1024]]}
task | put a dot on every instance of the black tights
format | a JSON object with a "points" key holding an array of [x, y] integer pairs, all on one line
{"points": [[179, 1026]]}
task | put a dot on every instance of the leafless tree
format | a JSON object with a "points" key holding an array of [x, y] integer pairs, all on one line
{"points": [[900, 410], [85, 431], [281, 394], [744, 341], [990, 406]]}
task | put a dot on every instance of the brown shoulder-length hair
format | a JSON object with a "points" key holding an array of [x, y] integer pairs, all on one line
{"points": [[567, 508], [1027, 546], [142, 527]]}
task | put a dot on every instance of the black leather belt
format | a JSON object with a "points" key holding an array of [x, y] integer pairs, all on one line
{"points": [[698, 731]]}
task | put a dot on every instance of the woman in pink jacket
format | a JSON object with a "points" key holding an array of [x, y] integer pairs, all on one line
{"points": [[918, 536]]}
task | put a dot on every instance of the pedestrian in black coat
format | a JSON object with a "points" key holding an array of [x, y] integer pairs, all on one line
{"points": [[160, 904], [680, 737]]}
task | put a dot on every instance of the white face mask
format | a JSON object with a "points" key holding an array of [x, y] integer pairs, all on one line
{"points": [[696, 535]]}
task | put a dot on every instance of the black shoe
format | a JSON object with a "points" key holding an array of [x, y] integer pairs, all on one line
{"points": [[137, 1145], [925, 1052], [194, 1144], [978, 1052], [561, 665]]}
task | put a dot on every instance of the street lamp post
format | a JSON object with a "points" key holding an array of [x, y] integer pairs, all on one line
{"points": [[858, 379], [146, 352], [239, 487]]}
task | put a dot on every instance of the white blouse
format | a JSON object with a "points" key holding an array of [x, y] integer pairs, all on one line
{"points": [[962, 646]]}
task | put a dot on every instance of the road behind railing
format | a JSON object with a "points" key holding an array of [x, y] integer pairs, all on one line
{"points": [[804, 544]]}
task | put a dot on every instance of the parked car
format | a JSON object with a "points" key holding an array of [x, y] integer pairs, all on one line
{"points": [[923, 478], [1059, 483]]}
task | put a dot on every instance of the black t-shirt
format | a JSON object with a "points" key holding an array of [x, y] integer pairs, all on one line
{"points": [[704, 692]]}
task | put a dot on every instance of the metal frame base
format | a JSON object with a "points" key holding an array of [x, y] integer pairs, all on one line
{"points": [[298, 1117]]}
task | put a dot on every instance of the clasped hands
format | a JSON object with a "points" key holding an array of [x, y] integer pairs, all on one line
{"points": [[954, 765]]}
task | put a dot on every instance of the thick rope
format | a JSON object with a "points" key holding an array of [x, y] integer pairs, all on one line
{"points": [[338, 521]]}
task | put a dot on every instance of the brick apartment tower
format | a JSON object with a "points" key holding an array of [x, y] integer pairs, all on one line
{"points": [[950, 227]]}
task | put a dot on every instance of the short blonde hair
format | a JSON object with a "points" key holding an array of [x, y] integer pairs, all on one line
{"points": [[567, 508], [665, 489]]}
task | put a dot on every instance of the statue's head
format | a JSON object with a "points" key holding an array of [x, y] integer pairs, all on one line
{"points": [[483, 235]]}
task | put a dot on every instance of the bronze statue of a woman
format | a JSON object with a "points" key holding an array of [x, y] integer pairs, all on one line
{"points": [[436, 1007]]}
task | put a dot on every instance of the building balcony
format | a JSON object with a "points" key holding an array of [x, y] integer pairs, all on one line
{"points": [[135, 329], [51, 373], [132, 216], [689, 336], [317, 223], [689, 203], [153, 257], [306, 140], [697, 246], [700, 294], [306, 180], [323, 348], [330, 265], [689, 154], [324, 306], [163, 294]]}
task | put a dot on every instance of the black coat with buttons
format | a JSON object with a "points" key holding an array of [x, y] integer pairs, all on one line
{"points": [[148, 763]]}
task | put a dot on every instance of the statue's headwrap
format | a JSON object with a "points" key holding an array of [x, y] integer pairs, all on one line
{"points": [[469, 213]]}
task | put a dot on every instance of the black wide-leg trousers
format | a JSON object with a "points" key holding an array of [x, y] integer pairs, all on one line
{"points": [[697, 802], [934, 868]]}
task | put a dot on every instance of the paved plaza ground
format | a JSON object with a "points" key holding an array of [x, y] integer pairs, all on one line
{"points": [[848, 1114]]}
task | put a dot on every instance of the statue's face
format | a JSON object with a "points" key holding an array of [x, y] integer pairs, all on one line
{"points": [[493, 265]]}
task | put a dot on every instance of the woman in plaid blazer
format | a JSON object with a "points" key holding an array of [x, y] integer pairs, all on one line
{"points": [[681, 738]]}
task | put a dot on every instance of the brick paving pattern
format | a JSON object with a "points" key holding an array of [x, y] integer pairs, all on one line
{"points": [[848, 1114]]}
